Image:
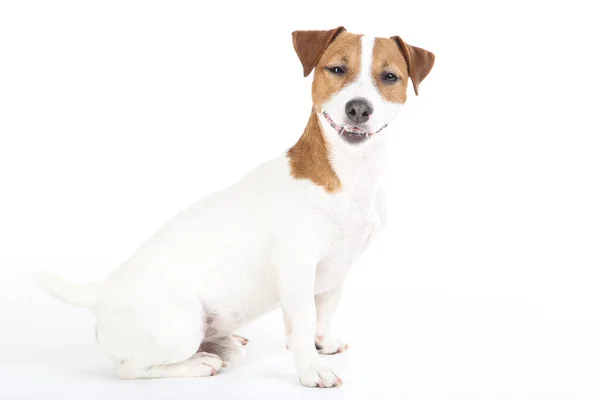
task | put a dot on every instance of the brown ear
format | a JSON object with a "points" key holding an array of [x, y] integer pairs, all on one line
{"points": [[310, 46], [419, 61]]}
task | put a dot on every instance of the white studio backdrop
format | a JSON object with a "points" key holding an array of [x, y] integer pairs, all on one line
{"points": [[115, 115]]}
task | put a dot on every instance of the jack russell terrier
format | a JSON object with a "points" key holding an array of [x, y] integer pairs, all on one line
{"points": [[285, 235]]}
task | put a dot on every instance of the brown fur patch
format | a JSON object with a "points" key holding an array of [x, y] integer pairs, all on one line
{"points": [[388, 59], [344, 51], [310, 45], [418, 60], [309, 158]]}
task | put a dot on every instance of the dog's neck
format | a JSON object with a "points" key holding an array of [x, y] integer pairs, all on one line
{"points": [[323, 157]]}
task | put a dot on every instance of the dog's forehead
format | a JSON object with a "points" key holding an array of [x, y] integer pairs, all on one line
{"points": [[387, 55], [365, 59], [349, 49], [345, 48]]}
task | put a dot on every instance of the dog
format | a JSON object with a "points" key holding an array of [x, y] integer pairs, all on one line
{"points": [[285, 235]]}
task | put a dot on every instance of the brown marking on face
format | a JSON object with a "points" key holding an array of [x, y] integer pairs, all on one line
{"points": [[388, 59], [309, 158], [345, 52]]}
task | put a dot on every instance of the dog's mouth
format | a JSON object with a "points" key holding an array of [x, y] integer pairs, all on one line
{"points": [[351, 133]]}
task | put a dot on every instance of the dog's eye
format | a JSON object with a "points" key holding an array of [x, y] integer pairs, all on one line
{"points": [[337, 70], [388, 77]]}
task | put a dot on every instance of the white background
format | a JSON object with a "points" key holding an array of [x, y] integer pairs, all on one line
{"points": [[115, 115]]}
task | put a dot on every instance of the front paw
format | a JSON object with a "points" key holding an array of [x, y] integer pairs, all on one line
{"points": [[329, 345], [318, 375]]}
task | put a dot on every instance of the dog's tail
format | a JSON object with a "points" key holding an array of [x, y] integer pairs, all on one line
{"points": [[85, 295]]}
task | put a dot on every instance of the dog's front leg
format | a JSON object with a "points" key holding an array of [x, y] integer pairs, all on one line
{"points": [[296, 282], [326, 304]]}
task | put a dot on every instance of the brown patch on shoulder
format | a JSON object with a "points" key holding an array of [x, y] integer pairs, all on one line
{"points": [[387, 58], [309, 158], [345, 51]]}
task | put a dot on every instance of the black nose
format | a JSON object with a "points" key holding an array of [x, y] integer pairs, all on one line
{"points": [[359, 110]]}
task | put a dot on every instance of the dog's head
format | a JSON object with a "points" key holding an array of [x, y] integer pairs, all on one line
{"points": [[359, 82]]}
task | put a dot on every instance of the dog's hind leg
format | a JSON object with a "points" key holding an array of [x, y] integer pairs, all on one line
{"points": [[243, 341], [228, 348], [199, 365], [155, 333]]}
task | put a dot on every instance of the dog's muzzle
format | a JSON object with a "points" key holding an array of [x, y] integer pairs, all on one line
{"points": [[352, 134]]}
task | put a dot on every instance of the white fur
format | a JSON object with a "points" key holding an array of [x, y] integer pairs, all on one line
{"points": [[270, 240]]}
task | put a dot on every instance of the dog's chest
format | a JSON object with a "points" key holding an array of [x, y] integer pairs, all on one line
{"points": [[351, 231]]}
